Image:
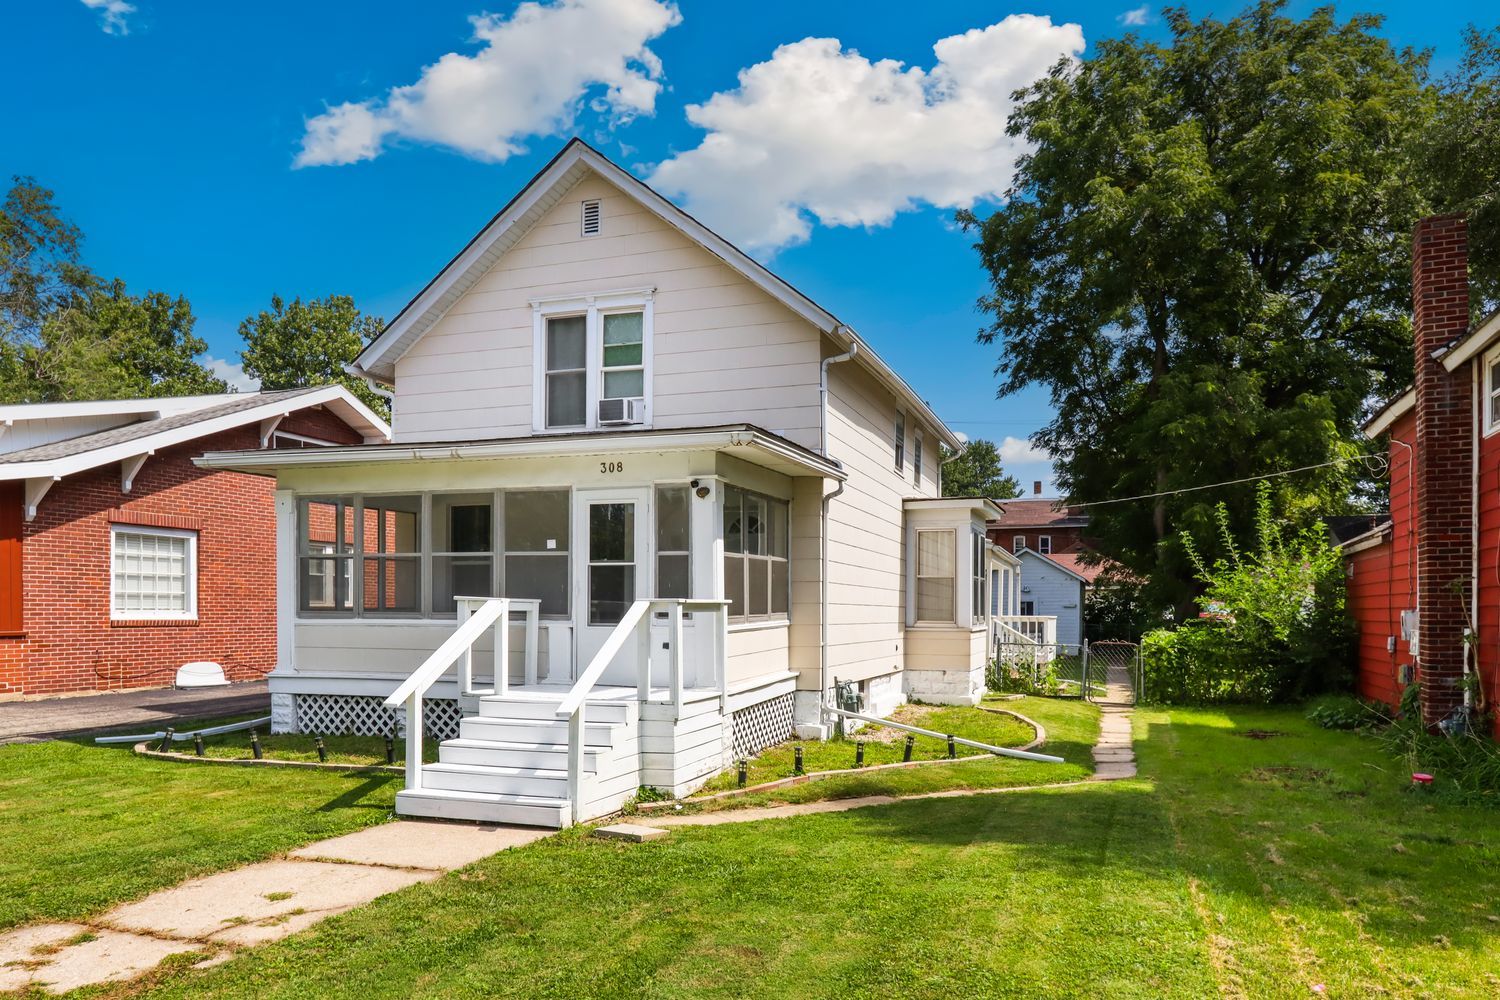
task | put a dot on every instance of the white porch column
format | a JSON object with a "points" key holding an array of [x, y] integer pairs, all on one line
{"points": [[283, 706]]}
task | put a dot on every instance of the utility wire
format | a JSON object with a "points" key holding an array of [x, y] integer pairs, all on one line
{"points": [[1235, 482]]}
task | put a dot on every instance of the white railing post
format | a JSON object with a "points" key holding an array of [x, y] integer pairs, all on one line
{"points": [[414, 741], [643, 655], [674, 676], [502, 648], [466, 658], [721, 657], [533, 612], [575, 761]]}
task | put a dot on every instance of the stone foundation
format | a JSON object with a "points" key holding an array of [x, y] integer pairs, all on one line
{"points": [[955, 686]]}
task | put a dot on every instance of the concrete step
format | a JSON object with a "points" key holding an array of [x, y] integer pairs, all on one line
{"points": [[543, 782], [545, 708], [538, 731], [521, 810], [498, 753]]}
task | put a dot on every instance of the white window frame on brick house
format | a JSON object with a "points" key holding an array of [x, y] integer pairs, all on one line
{"points": [[1018, 543], [593, 309], [1491, 405], [189, 610], [1044, 544]]}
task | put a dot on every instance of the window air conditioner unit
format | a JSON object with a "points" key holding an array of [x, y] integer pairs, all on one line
{"points": [[622, 411]]}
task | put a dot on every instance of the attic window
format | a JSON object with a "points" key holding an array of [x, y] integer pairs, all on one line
{"points": [[591, 218]]}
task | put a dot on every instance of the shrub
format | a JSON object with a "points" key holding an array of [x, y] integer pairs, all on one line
{"points": [[1274, 625], [1344, 711], [1465, 766]]}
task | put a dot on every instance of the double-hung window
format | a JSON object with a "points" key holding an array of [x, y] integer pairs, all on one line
{"points": [[900, 442], [1492, 393], [1018, 543], [937, 552], [593, 361], [757, 573], [976, 559], [916, 457], [1044, 544], [154, 573]]}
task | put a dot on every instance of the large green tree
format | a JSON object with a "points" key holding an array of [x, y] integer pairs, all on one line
{"points": [[297, 344], [65, 334], [1204, 257], [975, 471]]}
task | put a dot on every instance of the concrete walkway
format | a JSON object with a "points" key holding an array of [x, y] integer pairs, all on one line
{"points": [[56, 718], [215, 915]]}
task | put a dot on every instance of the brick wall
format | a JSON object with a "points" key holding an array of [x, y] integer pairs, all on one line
{"points": [[1444, 460], [70, 643]]}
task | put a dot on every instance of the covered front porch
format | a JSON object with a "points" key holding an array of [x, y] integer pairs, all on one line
{"points": [[572, 616]]}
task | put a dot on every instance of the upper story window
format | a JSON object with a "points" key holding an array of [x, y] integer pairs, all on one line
{"points": [[900, 441], [916, 457], [593, 362], [1492, 392], [1044, 544], [1018, 543]]}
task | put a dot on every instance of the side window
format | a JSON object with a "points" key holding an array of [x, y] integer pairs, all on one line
{"points": [[673, 543], [155, 573], [900, 441], [757, 570], [1044, 544], [937, 551], [566, 384], [1492, 393], [1018, 543], [916, 457]]}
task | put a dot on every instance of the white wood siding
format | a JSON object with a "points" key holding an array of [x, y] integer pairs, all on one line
{"points": [[724, 351], [866, 585], [1054, 592]]}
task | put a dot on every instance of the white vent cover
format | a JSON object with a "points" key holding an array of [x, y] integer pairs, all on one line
{"points": [[199, 674], [591, 218]]}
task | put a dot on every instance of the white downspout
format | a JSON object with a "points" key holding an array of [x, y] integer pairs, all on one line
{"points": [[1471, 640], [823, 535]]}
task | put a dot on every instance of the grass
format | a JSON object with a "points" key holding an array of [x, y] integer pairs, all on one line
{"points": [[84, 827], [359, 750], [885, 745], [1234, 866]]}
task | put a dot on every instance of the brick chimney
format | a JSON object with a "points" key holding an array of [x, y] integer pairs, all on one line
{"points": [[1036, 487], [1444, 460]]}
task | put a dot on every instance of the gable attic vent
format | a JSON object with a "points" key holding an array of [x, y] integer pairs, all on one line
{"points": [[591, 218]]}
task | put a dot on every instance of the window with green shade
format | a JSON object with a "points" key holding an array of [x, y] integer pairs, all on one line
{"points": [[623, 369]]}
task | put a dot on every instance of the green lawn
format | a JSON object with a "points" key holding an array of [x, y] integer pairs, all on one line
{"points": [[1219, 872], [359, 750], [885, 745], [83, 827]]}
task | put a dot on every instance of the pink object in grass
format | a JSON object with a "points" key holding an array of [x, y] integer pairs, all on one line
{"points": [[1320, 988], [1421, 779]]}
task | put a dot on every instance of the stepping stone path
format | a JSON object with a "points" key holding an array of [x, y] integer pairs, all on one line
{"points": [[214, 915], [1114, 756]]}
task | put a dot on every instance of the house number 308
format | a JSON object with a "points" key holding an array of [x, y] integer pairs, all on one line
{"points": [[611, 466]]}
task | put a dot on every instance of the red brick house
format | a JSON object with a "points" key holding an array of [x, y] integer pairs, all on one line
{"points": [[121, 560], [1424, 587]]}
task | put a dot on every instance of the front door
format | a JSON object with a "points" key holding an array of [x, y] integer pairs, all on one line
{"points": [[612, 570]]}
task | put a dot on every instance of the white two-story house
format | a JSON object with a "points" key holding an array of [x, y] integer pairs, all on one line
{"points": [[685, 497]]}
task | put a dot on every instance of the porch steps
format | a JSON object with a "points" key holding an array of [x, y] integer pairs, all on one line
{"points": [[509, 763]]}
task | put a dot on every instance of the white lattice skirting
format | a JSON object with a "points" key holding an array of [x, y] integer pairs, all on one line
{"points": [[762, 725], [364, 715]]}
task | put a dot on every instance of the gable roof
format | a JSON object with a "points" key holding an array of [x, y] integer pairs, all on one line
{"points": [[1480, 336], [1070, 567], [231, 410], [573, 163]]}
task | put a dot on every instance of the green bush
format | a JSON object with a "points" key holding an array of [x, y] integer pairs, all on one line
{"points": [[1274, 627], [1465, 766], [1345, 711]]}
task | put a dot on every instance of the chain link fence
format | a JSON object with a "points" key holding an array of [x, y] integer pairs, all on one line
{"points": [[1105, 670]]}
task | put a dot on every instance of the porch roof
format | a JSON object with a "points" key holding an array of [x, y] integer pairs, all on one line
{"points": [[753, 444]]}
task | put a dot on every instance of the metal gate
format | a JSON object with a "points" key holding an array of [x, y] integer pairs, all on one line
{"points": [[1114, 670], [1107, 670]]}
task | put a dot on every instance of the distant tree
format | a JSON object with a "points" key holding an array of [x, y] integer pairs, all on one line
{"points": [[1462, 157], [298, 344], [1205, 258], [67, 335], [974, 471]]}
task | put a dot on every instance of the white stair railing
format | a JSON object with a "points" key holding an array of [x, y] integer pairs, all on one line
{"points": [[631, 626], [476, 615]]}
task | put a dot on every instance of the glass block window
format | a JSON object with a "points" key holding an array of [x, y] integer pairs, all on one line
{"points": [[154, 573]]}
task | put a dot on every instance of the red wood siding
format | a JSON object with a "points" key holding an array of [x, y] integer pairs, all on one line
{"points": [[1382, 580], [1487, 598], [11, 618]]}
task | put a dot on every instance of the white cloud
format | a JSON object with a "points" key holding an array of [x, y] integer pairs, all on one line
{"points": [[1016, 451], [232, 373], [112, 15], [821, 134], [530, 77], [1137, 17]]}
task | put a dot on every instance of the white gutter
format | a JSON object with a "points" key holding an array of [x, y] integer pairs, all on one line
{"points": [[823, 534]]}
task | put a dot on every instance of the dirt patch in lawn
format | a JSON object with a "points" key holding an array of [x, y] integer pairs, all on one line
{"points": [[912, 715], [1259, 734], [1287, 776]]}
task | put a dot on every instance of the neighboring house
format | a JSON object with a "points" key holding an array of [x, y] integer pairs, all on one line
{"points": [[1050, 538], [1040, 524], [121, 560], [1051, 588], [1413, 579], [706, 498]]}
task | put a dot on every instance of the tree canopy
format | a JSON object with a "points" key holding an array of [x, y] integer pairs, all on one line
{"points": [[975, 471], [1205, 258], [67, 334], [297, 344]]}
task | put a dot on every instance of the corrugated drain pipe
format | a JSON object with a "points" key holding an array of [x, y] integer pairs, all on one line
{"points": [[823, 534]]}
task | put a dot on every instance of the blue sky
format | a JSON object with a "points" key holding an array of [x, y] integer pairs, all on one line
{"points": [[229, 152]]}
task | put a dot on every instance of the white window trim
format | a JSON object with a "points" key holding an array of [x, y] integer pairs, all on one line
{"points": [[899, 443], [593, 308], [917, 457], [1491, 390], [952, 578], [190, 570], [1044, 544], [1018, 543]]}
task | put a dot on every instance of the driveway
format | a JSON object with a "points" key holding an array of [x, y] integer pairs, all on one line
{"points": [[54, 718]]}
